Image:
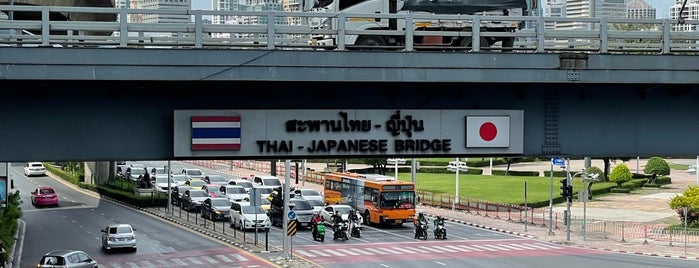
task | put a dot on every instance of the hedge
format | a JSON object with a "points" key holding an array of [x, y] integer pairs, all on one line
{"points": [[557, 173], [516, 173]]}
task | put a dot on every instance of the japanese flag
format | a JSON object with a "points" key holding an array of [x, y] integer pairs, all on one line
{"points": [[487, 131]]}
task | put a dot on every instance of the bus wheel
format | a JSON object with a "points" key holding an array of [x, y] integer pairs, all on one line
{"points": [[467, 43], [367, 219], [370, 41]]}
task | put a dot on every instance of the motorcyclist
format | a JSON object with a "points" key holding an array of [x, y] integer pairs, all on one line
{"points": [[417, 221], [352, 217], [317, 219], [437, 221], [336, 220]]}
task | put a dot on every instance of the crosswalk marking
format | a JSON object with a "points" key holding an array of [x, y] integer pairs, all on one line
{"points": [[429, 249], [238, 257], [458, 249], [465, 247], [146, 264], [391, 250], [163, 263], [538, 246], [550, 246], [194, 260], [362, 251], [223, 258], [132, 264], [116, 265], [319, 253], [406, 250], [444, 249], [484, 247], [512, 247], [334, 252], [209, 259], [178, 261], [499, 247], [377, 251], [303, 252], [346, 251]]}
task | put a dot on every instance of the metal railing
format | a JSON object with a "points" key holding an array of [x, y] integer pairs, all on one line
{"points": [[607, 35]]}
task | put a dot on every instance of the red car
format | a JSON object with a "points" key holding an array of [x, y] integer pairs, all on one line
{"points": [[44, 196]]}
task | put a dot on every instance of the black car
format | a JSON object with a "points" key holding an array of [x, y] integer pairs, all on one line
{"points": [[303, 210], [217, 208]]}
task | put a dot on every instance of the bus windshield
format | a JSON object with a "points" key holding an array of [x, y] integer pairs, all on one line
{"points": [[397, 199]]}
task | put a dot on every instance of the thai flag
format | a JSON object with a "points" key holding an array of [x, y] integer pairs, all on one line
{"points": [[215, 133]]}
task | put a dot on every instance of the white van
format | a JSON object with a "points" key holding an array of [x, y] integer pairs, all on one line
{"points": [[267, 181]]}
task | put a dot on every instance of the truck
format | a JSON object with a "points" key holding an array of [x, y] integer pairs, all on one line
{"points": [[457, 29]]}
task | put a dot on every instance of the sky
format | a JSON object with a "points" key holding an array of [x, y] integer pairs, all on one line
{"points": [[201, 4]]}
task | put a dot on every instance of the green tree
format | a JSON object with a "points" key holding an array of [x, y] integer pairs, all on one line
{"points": [[379, 164], [688, 199], [591, 171], [656, 166], [620, 174]]}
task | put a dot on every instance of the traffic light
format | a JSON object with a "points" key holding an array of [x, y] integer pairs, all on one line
{"points": [[569, 193], [564, 188]]}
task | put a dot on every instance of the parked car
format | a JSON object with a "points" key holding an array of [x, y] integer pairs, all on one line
{"points": [[329, 211], [308, 193], [67, 259], [244, 216], [118, 236], [44, 196], [177, 193], [192, 199], [241, 182], [193, 173], [216, 208], [215, 179], [34, 169], [267, 181], [234, 193]]}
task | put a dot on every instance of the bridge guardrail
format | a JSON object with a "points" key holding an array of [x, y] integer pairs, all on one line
{"points": [[607, 35]]}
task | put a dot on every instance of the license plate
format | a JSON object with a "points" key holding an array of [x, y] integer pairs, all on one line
{"points": [[399, 221], [304, 224]]}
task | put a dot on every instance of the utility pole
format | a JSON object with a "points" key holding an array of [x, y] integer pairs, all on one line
{"points": [[568, 201]]}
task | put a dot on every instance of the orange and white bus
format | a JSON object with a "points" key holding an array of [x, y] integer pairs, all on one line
{"points": [[381, 199]]}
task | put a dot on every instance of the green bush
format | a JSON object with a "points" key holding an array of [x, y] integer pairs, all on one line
{"points": [[663, 180], [8, 220], [657, 166], [556, 173], [620, 190], [620, 175], [516, 173]]}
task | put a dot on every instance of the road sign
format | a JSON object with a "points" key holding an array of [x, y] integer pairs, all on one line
{"points": [[291, 228], [292, 215], [558, 161]]}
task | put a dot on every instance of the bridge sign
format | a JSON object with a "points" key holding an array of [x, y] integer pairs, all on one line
{"points": [[292, 215], [558, 161]]}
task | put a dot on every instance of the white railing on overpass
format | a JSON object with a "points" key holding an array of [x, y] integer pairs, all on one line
{"points": [[609, 35]]}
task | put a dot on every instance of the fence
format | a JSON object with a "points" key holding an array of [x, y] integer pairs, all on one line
{"points": [[599, 35]]}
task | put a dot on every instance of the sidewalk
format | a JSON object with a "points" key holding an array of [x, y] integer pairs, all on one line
{"points": [[646, 206]]}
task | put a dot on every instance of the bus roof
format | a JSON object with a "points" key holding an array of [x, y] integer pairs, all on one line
{"points": [[376, 177]]}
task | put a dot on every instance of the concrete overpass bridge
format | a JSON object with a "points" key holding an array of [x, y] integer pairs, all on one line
{"points": [[126, 99]]}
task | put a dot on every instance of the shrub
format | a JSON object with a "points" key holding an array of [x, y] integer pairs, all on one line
{"points": [[516, 173], [558, 173], [690, 199], [620, 174], [656, 166]]}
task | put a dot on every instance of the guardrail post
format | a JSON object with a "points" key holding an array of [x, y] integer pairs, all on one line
{"points": [[622, 233], [476, 44], [198, 29], [604, 38], [409, 32], [341, 31], [666, 36], [123, 34], [45, 26], [270, 30], [540, 39]]}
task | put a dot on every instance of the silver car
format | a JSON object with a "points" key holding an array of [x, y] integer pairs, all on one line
{"points": [[67, 258], [118, 236]]}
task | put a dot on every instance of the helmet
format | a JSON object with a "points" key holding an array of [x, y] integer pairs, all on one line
{"points": [[420, 214], [337, 212]]}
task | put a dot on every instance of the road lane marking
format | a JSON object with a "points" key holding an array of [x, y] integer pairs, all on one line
{"points": [[209, 259], [430, 249], [223, 258], [321, 253], [441, 248], [178, 261], [348, 252], [194, 260], [406, 250], [440, 263]]}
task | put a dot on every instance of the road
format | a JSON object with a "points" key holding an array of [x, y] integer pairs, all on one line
{"points": [[77, 221]]}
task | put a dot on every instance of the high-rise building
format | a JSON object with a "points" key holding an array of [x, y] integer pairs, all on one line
{"points": [[639, 9], [555, 9], [582, 9], [165, 5], [690, 12]]}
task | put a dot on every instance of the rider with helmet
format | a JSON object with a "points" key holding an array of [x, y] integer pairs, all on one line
{"points": [[317, 219], [336, 220], [417, 221], [437, 221]]}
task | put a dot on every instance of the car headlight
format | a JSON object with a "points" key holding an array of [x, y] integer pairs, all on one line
{"points": [[217, 211]]}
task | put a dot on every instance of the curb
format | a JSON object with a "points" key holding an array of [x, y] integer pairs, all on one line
{"points": [[482, 226]]}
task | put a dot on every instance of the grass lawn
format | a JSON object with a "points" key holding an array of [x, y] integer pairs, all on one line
{"points": [[499, 189]]}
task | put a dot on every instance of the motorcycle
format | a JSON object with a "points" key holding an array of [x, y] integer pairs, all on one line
{"points": [[439, 231], [341, 232], [356, 229], [318, 232], [422, 232]]}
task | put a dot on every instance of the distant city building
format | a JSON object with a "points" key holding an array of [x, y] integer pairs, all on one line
{"points": [[555, 9], [156, 4], [639, 9], [690, 12], [582, 9]]}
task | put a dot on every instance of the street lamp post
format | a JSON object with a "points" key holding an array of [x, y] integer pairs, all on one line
{"points": [[456, 198]]}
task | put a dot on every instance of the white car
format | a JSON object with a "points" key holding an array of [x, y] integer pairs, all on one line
{"points": [[308, 194], [329, 211], [244, 216], [235, 193], [34, 169], [161, 183], [118, 236]]}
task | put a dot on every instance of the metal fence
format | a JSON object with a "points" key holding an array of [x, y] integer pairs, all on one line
{"points": [[291, 31]]}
